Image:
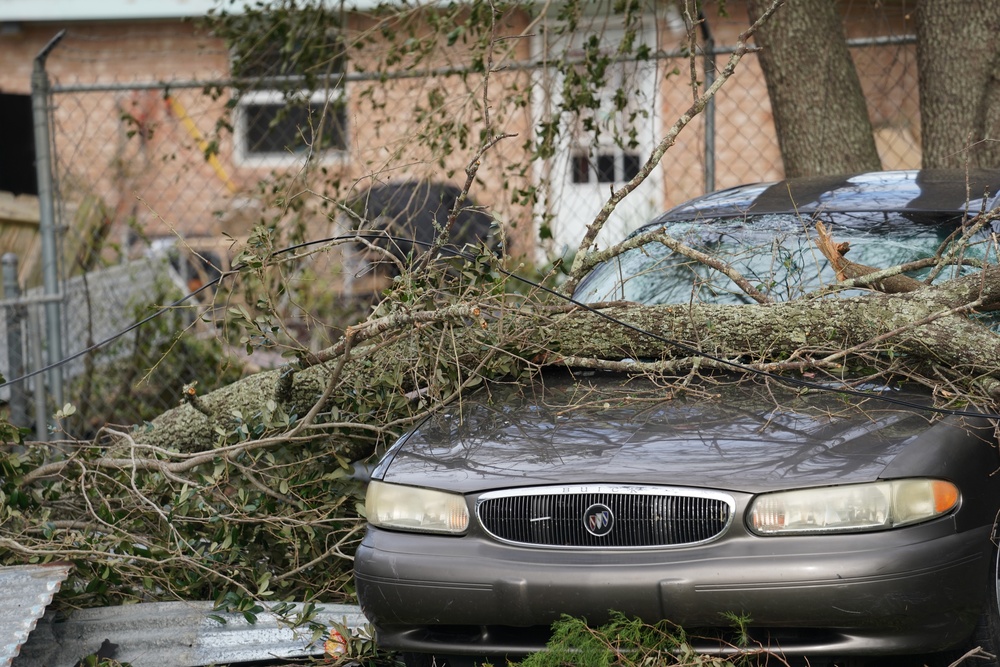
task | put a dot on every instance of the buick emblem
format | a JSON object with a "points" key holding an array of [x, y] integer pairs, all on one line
{"points": [[598, 520]]}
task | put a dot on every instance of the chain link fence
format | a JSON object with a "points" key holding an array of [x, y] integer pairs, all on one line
{"points": [[156, 184]]}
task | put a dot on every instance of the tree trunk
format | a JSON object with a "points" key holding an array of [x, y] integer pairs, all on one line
{"points": [[819, 109], [958, 54]]}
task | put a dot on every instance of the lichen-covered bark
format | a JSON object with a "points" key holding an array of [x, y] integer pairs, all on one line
{"points": [[774, 331], [929, 326], [188, 428]]}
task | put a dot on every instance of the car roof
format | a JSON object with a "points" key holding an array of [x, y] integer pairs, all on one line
{"points": [[928, 191]]}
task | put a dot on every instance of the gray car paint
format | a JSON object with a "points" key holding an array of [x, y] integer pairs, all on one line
{"points": [[745, 436]]}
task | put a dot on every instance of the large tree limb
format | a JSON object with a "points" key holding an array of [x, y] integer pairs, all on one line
{"points": [[924, 325], [780, 329]]}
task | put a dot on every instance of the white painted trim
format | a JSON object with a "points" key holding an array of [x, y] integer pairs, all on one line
{"points": [[244, 159], [65, 11], [574, 205]]}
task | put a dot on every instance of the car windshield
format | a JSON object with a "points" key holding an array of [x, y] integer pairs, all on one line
{"points": [[777, 253]]}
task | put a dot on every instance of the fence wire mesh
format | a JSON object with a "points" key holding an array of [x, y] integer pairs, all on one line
{"points": [[153, 174]]}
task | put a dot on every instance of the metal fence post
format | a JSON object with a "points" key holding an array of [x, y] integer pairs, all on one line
{"points": [[40, 96], [15, 349], [708, 49], [710, 117], [35, 334]]}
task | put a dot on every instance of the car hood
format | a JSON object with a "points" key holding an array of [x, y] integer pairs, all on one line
{"points": [[748, 436]]}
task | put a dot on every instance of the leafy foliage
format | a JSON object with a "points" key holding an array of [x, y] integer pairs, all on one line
{"points": [[271, 511], [629, 642], [146, 533], [9, 433], [131, 379]]}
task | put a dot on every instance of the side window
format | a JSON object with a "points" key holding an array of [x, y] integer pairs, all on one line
{"points": [[287, 106]]}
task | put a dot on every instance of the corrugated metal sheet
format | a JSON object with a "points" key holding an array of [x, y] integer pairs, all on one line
{"points": [[177, 634], [25, 592]]}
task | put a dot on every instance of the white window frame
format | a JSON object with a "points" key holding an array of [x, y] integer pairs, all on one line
{"points": [[244, 157]]}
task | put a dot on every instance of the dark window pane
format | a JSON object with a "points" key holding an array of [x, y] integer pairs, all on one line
{"points": [[630, 166], [581, 168], [606, 168], [277, 128], [17, 146]]}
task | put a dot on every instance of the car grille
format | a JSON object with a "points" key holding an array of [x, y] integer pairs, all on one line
{"points": [[590, 516]]}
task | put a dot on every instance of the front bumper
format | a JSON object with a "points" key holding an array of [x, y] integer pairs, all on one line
{"points": [[914, 590]]}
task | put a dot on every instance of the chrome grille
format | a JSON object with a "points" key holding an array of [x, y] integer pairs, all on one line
{"points": [[640, 516]]}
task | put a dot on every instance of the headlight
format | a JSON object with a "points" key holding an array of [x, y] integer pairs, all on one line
{"points": [[411, 508], [852, 508]]}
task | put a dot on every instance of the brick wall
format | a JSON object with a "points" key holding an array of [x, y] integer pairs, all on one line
{"points": [[131, 162]]}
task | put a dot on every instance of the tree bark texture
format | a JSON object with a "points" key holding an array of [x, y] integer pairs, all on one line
{"points": [[921, 325], [958, 55], [819, 110]]}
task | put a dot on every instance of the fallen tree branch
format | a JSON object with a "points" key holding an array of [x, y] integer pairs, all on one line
{"points": [[923, 325], [846, 269]]}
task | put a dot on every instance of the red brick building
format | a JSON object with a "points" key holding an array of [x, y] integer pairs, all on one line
{"points": [[132, 125]]}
